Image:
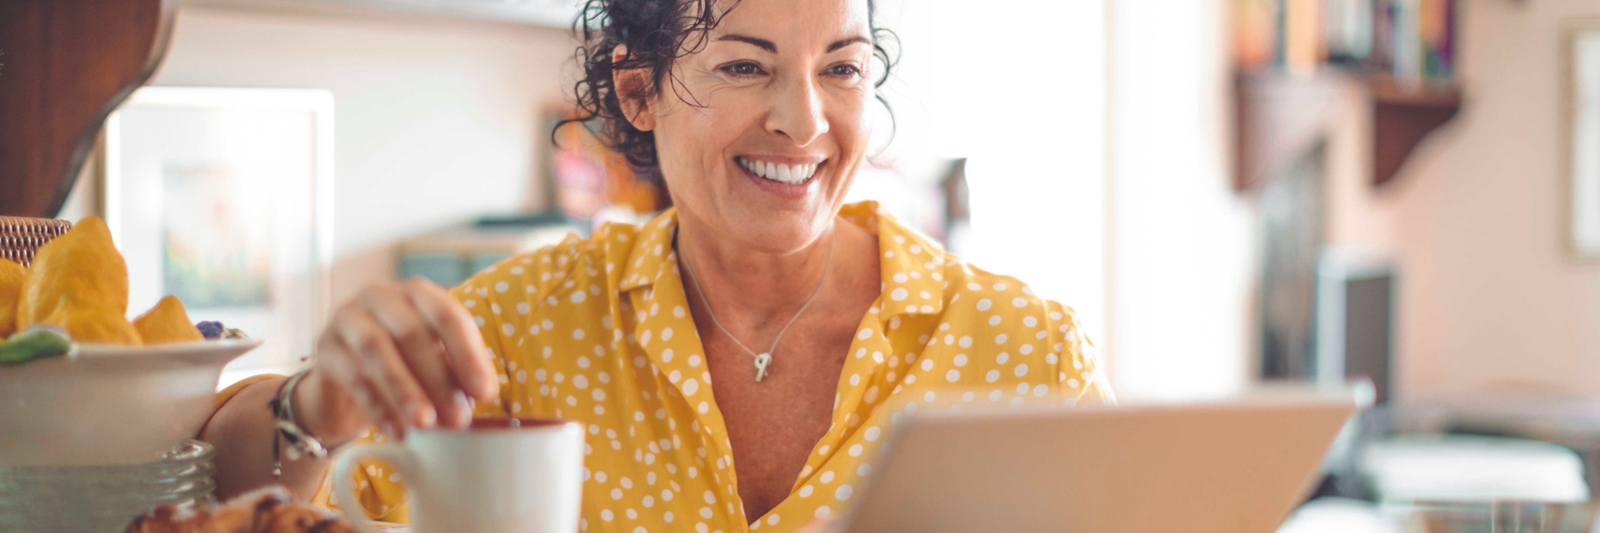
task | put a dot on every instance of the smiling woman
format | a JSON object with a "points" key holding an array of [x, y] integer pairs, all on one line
{"points": [[737, 361], [680, 85]]}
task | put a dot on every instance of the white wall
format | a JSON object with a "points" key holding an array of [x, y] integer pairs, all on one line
{"points": [[435, 120], [1182, 244], [1142, 232], [1023, 97]]}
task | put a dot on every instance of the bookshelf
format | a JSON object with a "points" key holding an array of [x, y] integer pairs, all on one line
{"points": [[1295, 60], [1402, 119], [1279, 117]]}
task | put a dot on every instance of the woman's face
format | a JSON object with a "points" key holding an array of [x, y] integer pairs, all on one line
{"points": [[760, 136]]}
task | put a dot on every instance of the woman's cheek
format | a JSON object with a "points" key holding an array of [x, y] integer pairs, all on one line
{"points": [[853, 108]]}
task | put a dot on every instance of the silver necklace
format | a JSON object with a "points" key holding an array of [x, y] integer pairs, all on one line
{"points": [[763, 359]]}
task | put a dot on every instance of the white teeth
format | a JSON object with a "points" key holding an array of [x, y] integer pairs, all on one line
{"points": [[792, 174]]}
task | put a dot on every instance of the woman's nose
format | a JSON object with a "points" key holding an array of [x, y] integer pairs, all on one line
{"points": [[798, 113]]}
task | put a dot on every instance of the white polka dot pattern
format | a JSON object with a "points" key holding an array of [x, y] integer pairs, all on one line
{"points": [[601, 334]]}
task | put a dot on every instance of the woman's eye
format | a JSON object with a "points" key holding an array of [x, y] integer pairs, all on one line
{"points": [[742, 69], [845, 70]]}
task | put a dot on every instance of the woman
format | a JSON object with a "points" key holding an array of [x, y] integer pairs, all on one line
{"points": [[761, 323]]}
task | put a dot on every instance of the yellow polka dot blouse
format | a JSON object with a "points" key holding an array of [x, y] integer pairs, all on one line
{"points": [[598, 330]]}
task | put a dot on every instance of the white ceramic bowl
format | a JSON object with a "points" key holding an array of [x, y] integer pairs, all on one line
{"points": [[105, 405]]}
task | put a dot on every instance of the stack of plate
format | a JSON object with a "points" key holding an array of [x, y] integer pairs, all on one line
{"points": [[95, 499]]}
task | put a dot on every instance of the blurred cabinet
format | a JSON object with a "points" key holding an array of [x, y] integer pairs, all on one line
{"points": [[452, 255]]}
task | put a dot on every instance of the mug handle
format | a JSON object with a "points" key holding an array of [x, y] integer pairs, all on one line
{"points": [[349, 459]]}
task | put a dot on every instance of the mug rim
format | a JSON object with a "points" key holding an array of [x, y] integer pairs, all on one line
{"points": [[542, 424]]}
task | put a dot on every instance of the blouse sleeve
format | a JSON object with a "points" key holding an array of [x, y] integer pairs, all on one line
{"points": [[1078, 364]]}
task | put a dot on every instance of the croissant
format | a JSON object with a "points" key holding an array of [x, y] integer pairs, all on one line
{"points": [[268, 510]]}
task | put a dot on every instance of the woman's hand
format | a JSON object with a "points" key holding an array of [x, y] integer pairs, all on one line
{"points": [[398, 355]]}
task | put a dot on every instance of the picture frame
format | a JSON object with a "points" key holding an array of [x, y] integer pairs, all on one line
{"points": [[1580, 134], [224, 198]]}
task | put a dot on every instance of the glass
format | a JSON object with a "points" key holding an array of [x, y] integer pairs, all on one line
{"points": [[103, 498]]}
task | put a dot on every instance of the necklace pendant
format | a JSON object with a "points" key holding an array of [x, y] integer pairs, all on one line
{"points": [[762, 360]]}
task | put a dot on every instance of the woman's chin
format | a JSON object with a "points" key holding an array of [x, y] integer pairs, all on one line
{"points": [[775, 233]]}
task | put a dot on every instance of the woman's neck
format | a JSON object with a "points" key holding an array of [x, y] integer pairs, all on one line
{"points": [[751, 290]]}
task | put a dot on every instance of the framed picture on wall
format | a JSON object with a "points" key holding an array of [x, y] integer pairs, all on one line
{"points": [[223, 198], [1580, 116]]}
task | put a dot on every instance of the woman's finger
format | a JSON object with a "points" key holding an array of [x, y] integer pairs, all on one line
{"points": [[339, 366], [366, 393], [381, 364], [355, 382], [420, 349], [469, 357]]}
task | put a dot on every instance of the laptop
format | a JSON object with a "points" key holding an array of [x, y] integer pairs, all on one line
{"points": [[1237, 465]]}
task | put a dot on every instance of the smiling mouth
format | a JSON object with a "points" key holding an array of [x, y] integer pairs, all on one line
{"points": [[781, 173]]}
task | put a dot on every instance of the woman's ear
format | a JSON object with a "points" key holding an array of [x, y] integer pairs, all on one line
{"points": [[631, 90]]}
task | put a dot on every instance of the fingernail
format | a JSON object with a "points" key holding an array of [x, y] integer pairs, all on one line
{"points": [[463, 407], [423, 416], [388, 430]]}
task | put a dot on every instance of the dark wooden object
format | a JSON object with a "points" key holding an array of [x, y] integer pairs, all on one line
{"points": [[1401, 119], [64, 66], [1280, 117]]}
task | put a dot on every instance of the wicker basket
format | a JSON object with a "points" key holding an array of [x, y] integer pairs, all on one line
{"points": [[21, 237]]}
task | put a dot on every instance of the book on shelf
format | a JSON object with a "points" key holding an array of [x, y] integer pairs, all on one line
{"points": [[1411, 40]]}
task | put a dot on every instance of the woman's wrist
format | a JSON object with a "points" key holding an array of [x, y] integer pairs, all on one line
{"points": [[326, 411]]}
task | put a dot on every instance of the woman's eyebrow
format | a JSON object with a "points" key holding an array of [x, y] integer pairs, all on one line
{"points": [[769, 46], [754, 41], [841, 43]]}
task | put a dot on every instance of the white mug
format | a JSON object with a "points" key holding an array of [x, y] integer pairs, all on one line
{"points": [[499, 476]]}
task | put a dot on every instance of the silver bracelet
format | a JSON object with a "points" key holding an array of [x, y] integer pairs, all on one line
{"points": [[301, 442]]}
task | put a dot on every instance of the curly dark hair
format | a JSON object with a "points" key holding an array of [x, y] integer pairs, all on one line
{"points": [[658, 32]]}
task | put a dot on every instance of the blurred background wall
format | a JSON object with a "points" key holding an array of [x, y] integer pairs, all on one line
{"points": [[1182, 243], [1489, 298], [436, 121], [1021, 95]]}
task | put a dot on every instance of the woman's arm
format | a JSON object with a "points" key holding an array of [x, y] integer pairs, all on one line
{"points": [[242, 432]]}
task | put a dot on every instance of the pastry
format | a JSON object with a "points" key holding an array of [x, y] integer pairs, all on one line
{"points": [[268, 510]]}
